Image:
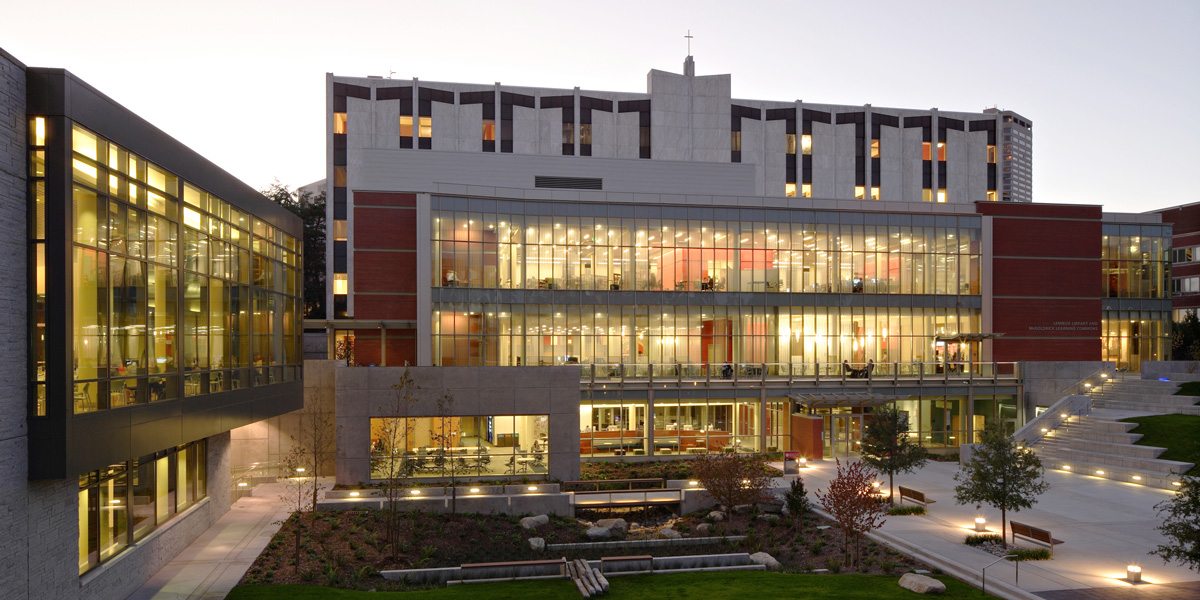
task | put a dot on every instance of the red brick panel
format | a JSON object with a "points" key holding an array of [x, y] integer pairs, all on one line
{"points": [[401, 346], [366, 349], [1036, 237], [1006, 350], [1047, 318], [1046, 277], [385, 271], [385, 228], [401, 306], [1045, 211], [383, 199]]}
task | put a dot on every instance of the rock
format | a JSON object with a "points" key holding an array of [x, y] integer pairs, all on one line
{"points": [[784, 511], [768, 517], [617, 525], [535, 521], [762, 558], [770, 507], [669, 534], [922, 584], [598, 533], [538, 544], [716, 515], [742, 509], [634, 526], [702, 529]]}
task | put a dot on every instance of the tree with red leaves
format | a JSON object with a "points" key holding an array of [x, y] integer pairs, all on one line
{"points": [[851, 501]]}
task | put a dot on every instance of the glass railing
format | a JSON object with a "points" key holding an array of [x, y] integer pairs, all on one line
{"points": [[846, 372]]}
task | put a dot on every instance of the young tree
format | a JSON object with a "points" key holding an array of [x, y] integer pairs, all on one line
{"points": [[1000, 475], [391, 459], [1181, 524], [796, 499], [851, 500], [444, 436], [887, 447], [733, 479], [1185, 338], [294, 494], [316, 439]]}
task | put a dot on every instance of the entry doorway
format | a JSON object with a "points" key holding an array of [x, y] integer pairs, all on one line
{"points": [[845, 431]]}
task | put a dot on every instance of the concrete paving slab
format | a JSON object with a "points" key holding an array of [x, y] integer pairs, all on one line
{"points": [[1106, 525], [210, 566]]}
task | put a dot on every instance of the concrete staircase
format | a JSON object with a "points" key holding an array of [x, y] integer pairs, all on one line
{"points": [[1101, 446], [1144, 395]]}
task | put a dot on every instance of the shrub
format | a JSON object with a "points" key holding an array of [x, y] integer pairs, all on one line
{"points": [[1030, 553], [981, 539], [907, 510], [796, 499], [888, 565], [833, 564]]}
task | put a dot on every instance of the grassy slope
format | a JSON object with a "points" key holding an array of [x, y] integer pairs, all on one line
{"points": [[692, 586], [1189, 388], [1179, 434]]}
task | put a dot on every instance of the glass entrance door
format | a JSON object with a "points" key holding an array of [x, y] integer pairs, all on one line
{"points": [[844, 433]]}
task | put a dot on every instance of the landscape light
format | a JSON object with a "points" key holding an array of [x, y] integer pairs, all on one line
{"points": [[474, 490], [1066, 467], [1137, 477], [1133, 574], [415, 492], [980, 524], [1176, 483], [242, 484], [533, 488], [353, 494], [299, 469], [1099, 472], [693, 483]]}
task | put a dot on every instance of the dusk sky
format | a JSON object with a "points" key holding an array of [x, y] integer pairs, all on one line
{"points": [[1111, 87]]}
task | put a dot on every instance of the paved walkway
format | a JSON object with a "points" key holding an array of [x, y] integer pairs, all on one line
{"points": [[217, 560], [1106, 525]]}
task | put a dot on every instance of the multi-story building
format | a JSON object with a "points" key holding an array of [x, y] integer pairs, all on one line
{"points": [[1185, 258], [152, 308], [1016, 156], [707, 260]]}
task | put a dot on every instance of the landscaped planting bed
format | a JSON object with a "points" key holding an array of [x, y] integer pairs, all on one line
{"points": [[347, 549]]}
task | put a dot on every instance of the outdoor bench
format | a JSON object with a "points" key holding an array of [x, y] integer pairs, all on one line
{"points": [[915, 496], [522, 568], [1033, 534]]}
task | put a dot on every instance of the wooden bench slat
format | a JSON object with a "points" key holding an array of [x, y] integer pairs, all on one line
{"points": [[520, 563], [620, 558]]}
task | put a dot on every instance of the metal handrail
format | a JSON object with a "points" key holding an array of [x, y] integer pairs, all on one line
{"points": [[763, 372], [983, 572]]}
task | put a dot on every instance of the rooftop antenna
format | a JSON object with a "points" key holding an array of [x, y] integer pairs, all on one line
{"points": [[689, 37], [390, 72]]}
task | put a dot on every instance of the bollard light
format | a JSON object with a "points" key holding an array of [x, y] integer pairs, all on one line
{"points": [[1133, 574], [803, 463], [980, 524]]}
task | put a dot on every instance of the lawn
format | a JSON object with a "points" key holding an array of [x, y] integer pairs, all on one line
{"points": [[1189, 388], [1179, 434], [699, 586]]}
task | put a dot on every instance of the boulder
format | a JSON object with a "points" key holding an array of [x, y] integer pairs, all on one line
{"points": [[762, 558], [742, 509], [668, 533], [537, 544], [598, 533], [617, 525], [703, 528], [768, 517], [535, 521], [922, 584], [716, 516], [770, 507]]}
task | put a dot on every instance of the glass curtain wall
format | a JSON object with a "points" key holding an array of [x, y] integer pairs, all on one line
{"points": [[514, 245], [694, 337], [460, 446], [176, 292], [124, 502], [1137, 264]]}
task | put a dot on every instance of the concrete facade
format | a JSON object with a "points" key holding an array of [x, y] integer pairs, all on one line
{"points": [[363, 393]]}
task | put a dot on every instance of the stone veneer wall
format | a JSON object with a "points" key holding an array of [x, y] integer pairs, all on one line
{"points": [[16, 520]]}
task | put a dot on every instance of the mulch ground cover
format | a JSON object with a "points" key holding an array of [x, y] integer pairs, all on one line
{"points": [[348, 548]]}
